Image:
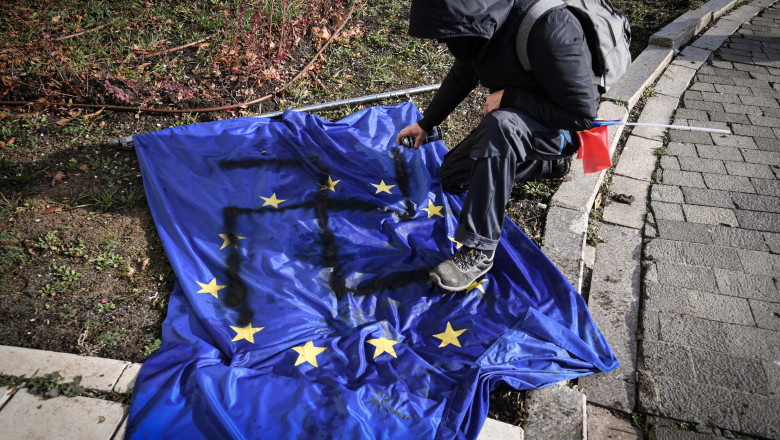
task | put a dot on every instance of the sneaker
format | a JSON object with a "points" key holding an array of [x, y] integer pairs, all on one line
{"points": [[462, 269], [560, 168]]}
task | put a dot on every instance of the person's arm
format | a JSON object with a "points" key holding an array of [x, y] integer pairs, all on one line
{"points": [[459, 82], [560, 62]]}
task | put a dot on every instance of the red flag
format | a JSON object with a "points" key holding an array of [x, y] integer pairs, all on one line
{"points": [[594, 149]]}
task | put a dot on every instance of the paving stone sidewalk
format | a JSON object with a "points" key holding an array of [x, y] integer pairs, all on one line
{"points": [[697, 329]]}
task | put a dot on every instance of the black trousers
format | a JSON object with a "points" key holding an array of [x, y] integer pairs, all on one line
{"points": [[507, 145]]}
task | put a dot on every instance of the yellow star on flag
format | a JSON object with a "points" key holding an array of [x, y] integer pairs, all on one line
{"points": [[382, 187], [433, 209], [230, 239], [212, 288], [449, 336], [383, 345], [477, 285], [308, 353], [247, 332], [273, 201], [457, 243], [331, 185]]}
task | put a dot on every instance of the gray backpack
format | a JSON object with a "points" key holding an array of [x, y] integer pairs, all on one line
{"points": [[607, 32]]}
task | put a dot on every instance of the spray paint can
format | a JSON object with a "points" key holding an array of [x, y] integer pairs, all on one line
{"points": [[434, 135]]}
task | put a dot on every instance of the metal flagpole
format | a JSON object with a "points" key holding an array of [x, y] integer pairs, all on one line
{"points": [[127, 142]]}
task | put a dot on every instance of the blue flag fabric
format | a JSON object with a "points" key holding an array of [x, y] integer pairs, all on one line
{"points": [[302, 307]]}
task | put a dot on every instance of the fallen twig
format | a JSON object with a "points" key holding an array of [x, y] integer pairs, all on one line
{"points": [[80, 33], [177, 48]]}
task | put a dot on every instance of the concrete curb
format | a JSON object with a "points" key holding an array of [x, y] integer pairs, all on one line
{"points": [[567, 218]]}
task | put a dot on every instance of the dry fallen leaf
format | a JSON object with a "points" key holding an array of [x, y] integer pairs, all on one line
{"points": [[320, 32], [51, 209]]}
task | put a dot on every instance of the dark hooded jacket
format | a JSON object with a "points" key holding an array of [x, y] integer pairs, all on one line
{"points": [[558, 92]]}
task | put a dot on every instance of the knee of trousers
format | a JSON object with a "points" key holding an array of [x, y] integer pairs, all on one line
{"points": [[502, 133]]}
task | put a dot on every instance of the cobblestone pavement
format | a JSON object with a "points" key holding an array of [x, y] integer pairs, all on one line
{"points": [[710, 311]]}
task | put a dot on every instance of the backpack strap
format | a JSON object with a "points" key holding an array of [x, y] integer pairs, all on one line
{"points": [[537, 9]]}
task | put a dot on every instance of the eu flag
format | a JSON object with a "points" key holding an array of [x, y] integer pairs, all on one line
{"points": [[302, 307]]}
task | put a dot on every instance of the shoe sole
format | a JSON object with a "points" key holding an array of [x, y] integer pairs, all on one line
{"points": [[436, 280]]}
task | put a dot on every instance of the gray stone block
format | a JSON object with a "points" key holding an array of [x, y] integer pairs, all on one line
{"points": [[759, 263], [555, 412], [692, 57], [673, 83], [695, 254], [702, 165], [638, 158], [746, 286], [670, 163], [773, 241], [752, 342], [764, 121], [564, 241], [604, 425], [632, 214], [710, 215], [666, 193], [692, 137], [683, 178], [662, 359], [759, 221], [707, 197], [767, 143], [676, 433], [758, 415], [657, 110], [751, 130], [96, 373], [738, 238], [766, 187], [495, 430], [692, 331], [682, 400], [665, 298], [650, 328], [767, 314], [682, 29], [764, 157], [749, 170], [729, 372], [721, 308], [126, 381], [642, 72], [698, 104], [680, 149], [580, 191], [742, 109], [667, 211], [756, 202], [733, 141], [728, 183], [772, 370], [682, 231], [718, 152], [30, 417], [681, 275]]}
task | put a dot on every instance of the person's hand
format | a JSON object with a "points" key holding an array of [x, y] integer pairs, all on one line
{"points": [[414, 131], [493, 101]]}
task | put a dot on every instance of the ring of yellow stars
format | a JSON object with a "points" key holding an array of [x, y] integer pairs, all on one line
{"points": [[382, 187], [331, 184], [212, 288], [383, 345], [450, 336], [247, 332], [433, 209], [230, 239], [273, 201], [458, 244], [308, 353], [477, 285]]}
